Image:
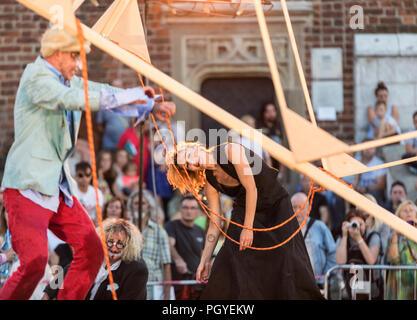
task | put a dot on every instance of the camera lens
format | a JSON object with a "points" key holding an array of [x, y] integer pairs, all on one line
{"points": [[354, 225]]}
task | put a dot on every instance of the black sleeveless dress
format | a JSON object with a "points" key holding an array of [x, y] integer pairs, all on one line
{"points": [[281, 273]]}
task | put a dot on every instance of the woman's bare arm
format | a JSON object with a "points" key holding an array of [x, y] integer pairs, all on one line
{"points": [[247, 180], [341, 251], [392, 251], [213, 233]]}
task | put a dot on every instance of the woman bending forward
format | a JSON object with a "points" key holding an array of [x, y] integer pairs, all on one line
{"points": [[260, 202]]}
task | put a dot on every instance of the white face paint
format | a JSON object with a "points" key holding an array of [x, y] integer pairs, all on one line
{"points": [[114, 255]]}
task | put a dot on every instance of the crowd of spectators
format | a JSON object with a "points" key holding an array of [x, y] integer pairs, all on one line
{"points": [[165, 243]]}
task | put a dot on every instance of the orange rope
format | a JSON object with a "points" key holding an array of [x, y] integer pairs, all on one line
{"points": [[310, 196], [205, 208], [277, 245], [313, 190], [92, 153]]}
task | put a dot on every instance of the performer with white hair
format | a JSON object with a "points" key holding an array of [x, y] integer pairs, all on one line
{"points": [[130, 273]]}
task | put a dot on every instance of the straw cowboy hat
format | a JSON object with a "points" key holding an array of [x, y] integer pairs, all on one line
{"points": [[56, 38]]}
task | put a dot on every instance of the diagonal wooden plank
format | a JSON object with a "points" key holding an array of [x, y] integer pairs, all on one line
{"points": [[76, 4], [343, 165], [308, 141]]}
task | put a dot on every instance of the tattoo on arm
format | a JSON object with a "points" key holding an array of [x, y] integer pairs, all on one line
{"points": [[210, 238]]}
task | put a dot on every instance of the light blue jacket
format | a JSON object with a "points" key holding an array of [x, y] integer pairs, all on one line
{"points": [[321, 248], [43, 142]]}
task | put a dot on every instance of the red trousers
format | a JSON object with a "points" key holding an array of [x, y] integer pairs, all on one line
{"points": [[28, 223]]}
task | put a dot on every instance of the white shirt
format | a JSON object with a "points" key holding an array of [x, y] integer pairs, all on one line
{"points": [[102, 275], [88, 200], [50, 202], [53, 240]]}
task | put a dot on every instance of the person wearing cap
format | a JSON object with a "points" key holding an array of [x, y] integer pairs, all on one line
{"points": [[38, 187]]}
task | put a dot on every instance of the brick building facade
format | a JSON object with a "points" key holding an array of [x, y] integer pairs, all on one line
{"points": [[324, 23]]}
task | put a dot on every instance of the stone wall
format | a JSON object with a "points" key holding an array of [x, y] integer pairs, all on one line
{"points": [[393, 60], [331, 28]]}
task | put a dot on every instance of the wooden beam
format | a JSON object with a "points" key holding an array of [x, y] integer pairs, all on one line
{"points": [[378, 167], [76, 4]]}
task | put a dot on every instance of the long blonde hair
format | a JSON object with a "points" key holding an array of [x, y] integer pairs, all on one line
{"points": [[177, 174], [403, 204], [134, 240], [377, 223]]}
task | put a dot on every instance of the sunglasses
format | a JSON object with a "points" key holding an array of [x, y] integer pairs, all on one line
{"points": [[82, 175], [111, 243]]}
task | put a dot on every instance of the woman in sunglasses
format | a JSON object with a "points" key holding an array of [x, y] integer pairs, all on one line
{"points": [[130, 274]]}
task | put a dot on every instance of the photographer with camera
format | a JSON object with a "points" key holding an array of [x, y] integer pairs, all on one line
{"points": [[358, 246]]}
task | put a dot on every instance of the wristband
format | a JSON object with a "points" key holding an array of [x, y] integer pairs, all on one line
{"points": [[360, 241]]}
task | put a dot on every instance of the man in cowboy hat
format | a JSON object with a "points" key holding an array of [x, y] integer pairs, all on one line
{"points": [[38, 186]]}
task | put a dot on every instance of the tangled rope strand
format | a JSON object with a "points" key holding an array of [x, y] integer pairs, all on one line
{"points": [[92, 153], [314, 190], [310, 194]]}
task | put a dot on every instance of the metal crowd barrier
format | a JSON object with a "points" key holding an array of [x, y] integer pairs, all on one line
{"points": [[365, 285], [184, 282], [174, 282]]}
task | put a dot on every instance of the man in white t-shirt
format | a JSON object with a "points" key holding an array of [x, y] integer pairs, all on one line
{"points": [[84, 192]]}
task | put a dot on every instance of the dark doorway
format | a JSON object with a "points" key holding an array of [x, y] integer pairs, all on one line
{"points": [[238, 96]]}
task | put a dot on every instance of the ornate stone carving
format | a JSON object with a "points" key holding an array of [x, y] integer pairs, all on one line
{"points": [[229, 52]]}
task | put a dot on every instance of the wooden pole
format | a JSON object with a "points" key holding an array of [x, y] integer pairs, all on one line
{"points": [[76, 4], [300, 70], [141, 178]]}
